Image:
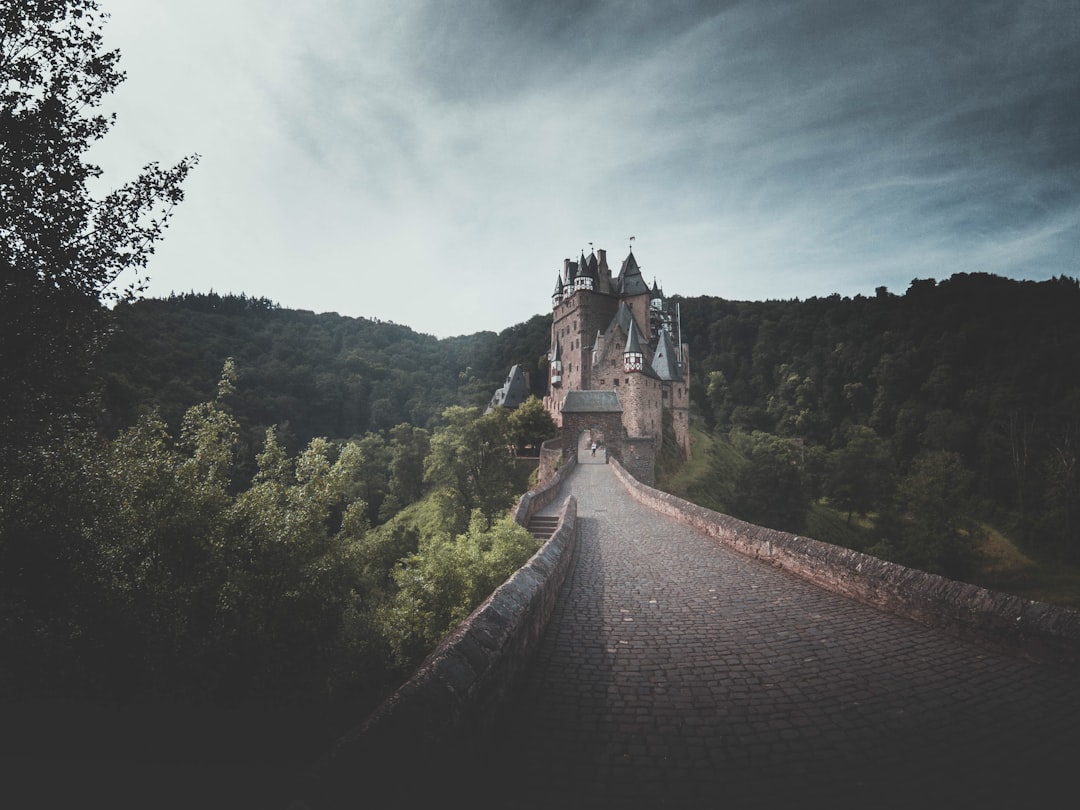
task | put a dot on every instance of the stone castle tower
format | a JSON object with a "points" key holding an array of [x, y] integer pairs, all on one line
{"points": [[616, 362]]}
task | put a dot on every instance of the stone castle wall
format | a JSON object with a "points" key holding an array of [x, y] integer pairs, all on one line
{"points": [[639, 459]]}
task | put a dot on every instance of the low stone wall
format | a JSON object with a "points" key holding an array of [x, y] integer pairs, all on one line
{"points": [[551, 452], [1009, 623], [433, 725], [536, 499]]}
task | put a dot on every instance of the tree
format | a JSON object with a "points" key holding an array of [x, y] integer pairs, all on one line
{"points": [[409, 447], [929, 528], [441, 584], [62, 250], [470, 460], [530, 424], [770, 488], [859, 473]]}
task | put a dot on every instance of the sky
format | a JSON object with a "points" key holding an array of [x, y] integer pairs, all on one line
{"points": [[432, 163]]}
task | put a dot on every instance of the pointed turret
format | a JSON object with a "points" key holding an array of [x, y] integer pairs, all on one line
{"points": [[630, 281], [556, 297], [556, 365], [664, 362], [633, 357], [586, 277]]}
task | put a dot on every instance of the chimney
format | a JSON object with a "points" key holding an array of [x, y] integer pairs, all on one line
{"points": [[603, 272]]}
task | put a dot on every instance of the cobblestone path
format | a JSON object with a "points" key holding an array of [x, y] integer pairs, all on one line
{"points": [[677, 673]]}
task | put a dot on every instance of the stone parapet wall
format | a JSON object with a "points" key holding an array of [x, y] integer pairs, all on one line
{"points": [[551, 453], [1009, 623], [440, 718]]}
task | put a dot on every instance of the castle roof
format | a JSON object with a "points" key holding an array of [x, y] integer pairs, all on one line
{"points": [[512, 393], [630, 281], [633, 341], [664, 362], [588, 267], [633, 346], [624, 317], [592, 402]]}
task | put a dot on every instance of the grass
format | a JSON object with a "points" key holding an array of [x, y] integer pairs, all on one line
{"points": [[694, 469], [1026, 572], [706, 478]]}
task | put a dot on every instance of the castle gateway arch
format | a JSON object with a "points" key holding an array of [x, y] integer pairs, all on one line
{"points": [[594, 416]]}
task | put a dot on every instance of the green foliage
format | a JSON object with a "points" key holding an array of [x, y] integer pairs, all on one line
{"points": [[62, 250], [859, 476], [448, 577], [471, 463], [313, 375], [530, 425], [928, 527], [771, 486], [971, 365], [139, 566]]}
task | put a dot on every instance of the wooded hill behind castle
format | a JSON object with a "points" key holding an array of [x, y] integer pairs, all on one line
{"points": [[977, 366]]}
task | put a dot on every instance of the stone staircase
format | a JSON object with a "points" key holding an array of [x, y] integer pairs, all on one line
{"points": [[543, 526]]}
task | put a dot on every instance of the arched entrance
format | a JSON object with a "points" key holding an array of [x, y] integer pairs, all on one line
{"points": [[591, 447], [589, 415]]}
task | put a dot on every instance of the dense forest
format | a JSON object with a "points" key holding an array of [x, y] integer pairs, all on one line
{"points": [[955, 403], [309, 375], [283, 502], [263, 503]]}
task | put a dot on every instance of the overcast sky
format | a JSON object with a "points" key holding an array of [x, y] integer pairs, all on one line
{"points": [[432, 163]]}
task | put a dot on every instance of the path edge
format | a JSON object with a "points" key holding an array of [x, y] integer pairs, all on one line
{"points": [[1012, 624]]}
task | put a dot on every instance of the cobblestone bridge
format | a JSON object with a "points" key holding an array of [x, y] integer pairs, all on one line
{"points": [[677, 673]]}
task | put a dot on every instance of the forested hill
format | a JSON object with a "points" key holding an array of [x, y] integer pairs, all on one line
{"points": [[978, 367], [312, 374]]}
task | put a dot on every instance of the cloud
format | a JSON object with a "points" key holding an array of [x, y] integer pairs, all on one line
{"points": [[433, 165]]}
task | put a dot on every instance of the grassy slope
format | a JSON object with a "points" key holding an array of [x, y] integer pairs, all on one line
{"points": [[1005, 566]]}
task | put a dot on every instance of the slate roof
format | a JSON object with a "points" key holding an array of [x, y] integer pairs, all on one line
{"points": [[664, 361], [630, 280], [624, 317], [633, 341], [513, 392], [588, 267], [592, 402]]}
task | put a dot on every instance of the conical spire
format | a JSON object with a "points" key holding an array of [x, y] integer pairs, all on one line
{"points": [[633, 357]]}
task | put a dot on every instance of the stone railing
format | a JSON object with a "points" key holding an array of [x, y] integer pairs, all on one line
{"points": [[1010, 623], [438, 721], [552, 455], [536, 499]]}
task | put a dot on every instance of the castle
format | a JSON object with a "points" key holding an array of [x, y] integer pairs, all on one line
{"points": [[620, 374]]}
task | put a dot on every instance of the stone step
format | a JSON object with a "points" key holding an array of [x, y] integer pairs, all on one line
{"points": [[543, 526]]}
